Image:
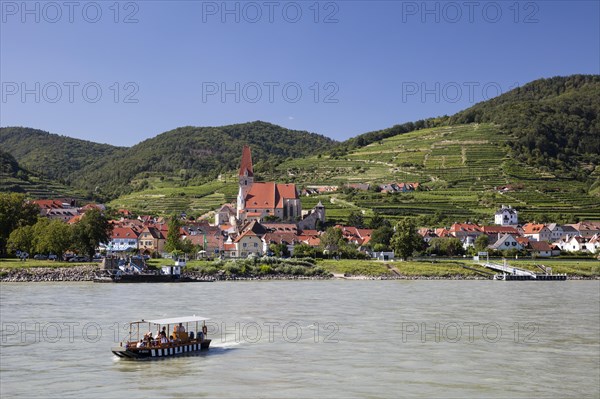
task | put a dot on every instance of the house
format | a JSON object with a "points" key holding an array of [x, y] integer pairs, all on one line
{"points": [[556, 232], [587, 229], [495, 232], [573, 244], [151, 240], [537, 232], [467, 233], [225, 215], [248, 243], [289, 239], [506, 216], [310, 220], [427, 234], [506, 242], [123, 239], [540, 249], [593, 245], [260, 200], [354, 235]]}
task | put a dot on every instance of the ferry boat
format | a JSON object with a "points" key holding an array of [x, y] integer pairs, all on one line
{"points": [[137, 272], [174, 336]]}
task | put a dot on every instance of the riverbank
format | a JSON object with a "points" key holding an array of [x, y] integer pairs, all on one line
{"points": [[88, 272]]}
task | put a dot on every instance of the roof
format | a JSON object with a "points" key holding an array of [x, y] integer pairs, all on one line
{"points": [[500, 230], [176, 320], [123, 232], [531, 228], [465, 227], [540, 246], [269, 195], [247, 233], [246, 164], [502, 240]]}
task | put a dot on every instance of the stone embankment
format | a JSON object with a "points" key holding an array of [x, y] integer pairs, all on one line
{"points": [[46, 274], [88, 272]]}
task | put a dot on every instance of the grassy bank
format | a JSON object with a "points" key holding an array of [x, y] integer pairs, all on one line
{"points": [[437, 268]]}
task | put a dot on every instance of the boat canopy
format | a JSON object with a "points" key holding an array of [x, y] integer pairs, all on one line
{"points": [[177, 320]]}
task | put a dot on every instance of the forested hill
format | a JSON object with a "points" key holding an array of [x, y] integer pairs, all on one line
{"points": [[199, 153], [554, 124], [49, 155]]}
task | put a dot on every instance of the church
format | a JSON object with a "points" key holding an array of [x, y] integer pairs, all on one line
{"points": [[258, 201]]}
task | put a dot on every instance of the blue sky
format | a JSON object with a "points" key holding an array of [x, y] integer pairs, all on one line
{"points": [[121, 72]]}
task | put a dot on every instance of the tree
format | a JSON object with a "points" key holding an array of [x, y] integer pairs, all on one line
{"points": [[406, 240], [56, 238], [187, 246], [482, 242], [356, 219], [173, 242], [280, 250], [332, 240], [445, 246], [378, 221], [21, 239], [15, 212], [93, 229], [381, 237], [303, 251]]}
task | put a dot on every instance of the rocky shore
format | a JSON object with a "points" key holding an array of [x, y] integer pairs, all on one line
{"points": [[88, 272], [48, 274]]}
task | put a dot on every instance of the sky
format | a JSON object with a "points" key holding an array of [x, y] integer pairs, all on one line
{"points": [[120, 72]]}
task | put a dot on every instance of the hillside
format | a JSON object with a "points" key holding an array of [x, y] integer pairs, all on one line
{"points": [[459, 167], [540, 140], [51, 156], [197, 154], [186, 155], [554, 123], [13, 178]]}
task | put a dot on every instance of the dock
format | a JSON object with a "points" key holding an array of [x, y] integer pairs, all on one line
{"points": [[512, 273]]}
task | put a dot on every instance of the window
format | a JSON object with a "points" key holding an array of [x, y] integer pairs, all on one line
{"points": [[244, 245], [255, 245]]}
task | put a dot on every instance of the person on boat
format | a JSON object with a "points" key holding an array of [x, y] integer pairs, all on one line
{"points": [[171, 340], [158, 334], [181, 328], [163, 339], [191, 335], [141, 344]]}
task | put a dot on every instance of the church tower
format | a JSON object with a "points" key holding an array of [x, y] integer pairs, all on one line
{"points": [[246, 179]]}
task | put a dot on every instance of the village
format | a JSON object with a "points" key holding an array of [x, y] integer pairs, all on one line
{"points": [[268, 219]]}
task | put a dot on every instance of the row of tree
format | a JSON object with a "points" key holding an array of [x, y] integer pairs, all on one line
{"points": [[22, 229]]}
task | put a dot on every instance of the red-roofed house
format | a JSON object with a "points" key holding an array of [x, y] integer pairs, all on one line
{"points": [[540, 249], [537, 232], [248, 243], [259, 200], [494, 233], [123, 239]]}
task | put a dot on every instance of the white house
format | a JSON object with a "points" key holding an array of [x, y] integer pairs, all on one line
{"points": [[537, 232], [123, 239], [556, 231], [506, 216], [506, 242]]}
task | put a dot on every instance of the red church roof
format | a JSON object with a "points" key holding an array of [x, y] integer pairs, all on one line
{"points": [[246, 165]]}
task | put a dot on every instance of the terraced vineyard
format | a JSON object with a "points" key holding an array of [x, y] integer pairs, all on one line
{"points": [[459, 168], [37, 188]]}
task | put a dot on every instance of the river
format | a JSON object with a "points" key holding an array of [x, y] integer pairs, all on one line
{"points": [[445, 339]]}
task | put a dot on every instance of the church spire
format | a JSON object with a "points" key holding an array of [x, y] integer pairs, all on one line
{"points": [[246, 164]]}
